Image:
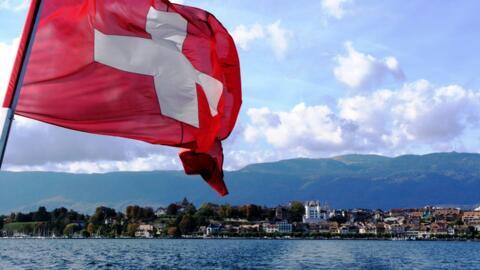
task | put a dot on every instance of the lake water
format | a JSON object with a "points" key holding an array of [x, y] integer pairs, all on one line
{"points": [[236, 254]]}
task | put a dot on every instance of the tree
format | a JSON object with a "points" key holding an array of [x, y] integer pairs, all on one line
{"points": [[338, 219], [268, 213], [73, 215], [132, 229], [188, 207], [133, 212], [226, 211], [40, 228], [185, 202], [41, 214], [251, 211], [173, 232], [70, 229], [20, 217], [296, 211], [172, 209], [206, 210], [101, 214], [59, 214], [91, 229], [85, 233], [201, 220], [147, 213], [187, 225]]}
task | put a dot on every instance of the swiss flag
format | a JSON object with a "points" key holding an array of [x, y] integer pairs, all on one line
{"points": [[141, 69]]}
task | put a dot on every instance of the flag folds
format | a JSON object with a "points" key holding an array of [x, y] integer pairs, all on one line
{"points": [[146, 69]]}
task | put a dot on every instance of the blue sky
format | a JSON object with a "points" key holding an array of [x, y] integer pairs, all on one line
{"points": [[320, 78]]}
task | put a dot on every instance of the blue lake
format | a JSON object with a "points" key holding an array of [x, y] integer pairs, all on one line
{"points": [[237, 254]]}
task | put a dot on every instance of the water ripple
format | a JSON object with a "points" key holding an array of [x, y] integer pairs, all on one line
{"points": [[236, 254]]}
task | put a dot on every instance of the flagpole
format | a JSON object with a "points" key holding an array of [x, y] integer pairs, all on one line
{"points": [[18, 74]]}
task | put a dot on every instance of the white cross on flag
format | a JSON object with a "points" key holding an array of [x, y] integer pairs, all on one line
{"points": [[141, 69]]}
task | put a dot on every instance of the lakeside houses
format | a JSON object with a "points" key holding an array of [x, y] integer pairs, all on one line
{"points": [[308, 219]]}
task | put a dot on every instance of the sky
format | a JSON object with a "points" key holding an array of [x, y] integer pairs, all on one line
{"points": [[320, 78]]}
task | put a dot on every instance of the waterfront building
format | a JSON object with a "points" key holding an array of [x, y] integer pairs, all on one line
{"points": [[439, 227], [144, 231], [324, 227], [448, 214], [314, 213], [412, 231], [414, 217], [380, 228], [278, 227], [367, 228], [284, 227], [249, 228], [270, 228], [348, 229], [395, 229], [471, 217], [213, 229]]}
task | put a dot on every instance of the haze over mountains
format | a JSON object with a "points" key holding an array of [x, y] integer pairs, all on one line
{"points": [[348, 181]]}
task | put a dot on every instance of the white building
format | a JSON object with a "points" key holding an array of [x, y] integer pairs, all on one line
{"points": [[314, 213], [270, 228], [477, 209], [161, 212], [213, 229], [278, 227], [144, 231]]}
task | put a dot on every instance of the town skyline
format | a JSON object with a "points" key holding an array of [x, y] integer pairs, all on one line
{"points": [[308, 219]]}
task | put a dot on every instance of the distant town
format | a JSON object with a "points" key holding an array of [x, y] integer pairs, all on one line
{"points": [[297, 220]]}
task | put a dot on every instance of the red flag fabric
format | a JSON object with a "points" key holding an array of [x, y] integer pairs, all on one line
{"points": [[146, 69]]}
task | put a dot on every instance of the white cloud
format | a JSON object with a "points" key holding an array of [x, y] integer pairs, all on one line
{"points": [[243, 35], [276, 36], [335, 8], [418, 115], [237, 159], [149, 163], [15, 5], [8, 52], [62, 150], [181, 2], [314, 127], [363, 71], [57, 148]]}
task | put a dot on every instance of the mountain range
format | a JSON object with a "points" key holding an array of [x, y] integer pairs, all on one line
{"points": [[349, 181]]}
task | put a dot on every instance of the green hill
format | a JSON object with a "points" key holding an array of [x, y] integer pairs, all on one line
{"points": [[344, 182]]}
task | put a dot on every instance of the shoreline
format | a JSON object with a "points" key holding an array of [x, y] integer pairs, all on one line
{"points": [[247, 238]]}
